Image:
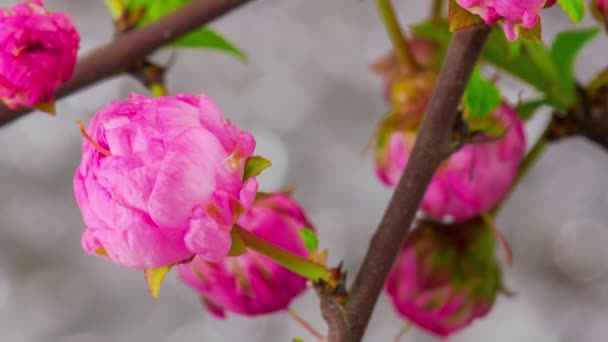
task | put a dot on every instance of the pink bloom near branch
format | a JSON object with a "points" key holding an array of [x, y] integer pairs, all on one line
{"points": [[165, 181], [252, 284], [37, 53], [471, 181], [514, 13]]}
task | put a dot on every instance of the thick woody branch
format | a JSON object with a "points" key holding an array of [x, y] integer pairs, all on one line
{"points": [[117, 56], [431, 148]]}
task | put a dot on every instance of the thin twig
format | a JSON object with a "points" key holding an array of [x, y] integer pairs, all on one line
{"points": [[305, 324], [393, 28], [117, 56], [431, 148]]}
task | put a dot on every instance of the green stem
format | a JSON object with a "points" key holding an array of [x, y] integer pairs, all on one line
{"points": [[400, 44], [437, 12], [293, 262]]}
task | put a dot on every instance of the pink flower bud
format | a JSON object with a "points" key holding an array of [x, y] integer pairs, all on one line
{"points": [[446, 276], [473, 180], [599, 8], [162, 179], [37, 53], [252, 284], [514, 13], [393, 73]]}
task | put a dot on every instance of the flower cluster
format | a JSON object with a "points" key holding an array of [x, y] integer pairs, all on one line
{"points": [[165, 181], [37, 53]]}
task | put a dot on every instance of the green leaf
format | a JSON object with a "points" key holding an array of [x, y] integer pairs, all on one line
{"points": [[532, 63], [461, 18], [527, 109], [254, 166], [208, 38], [564, 51], [575, 9], [437, 31], [310, 239], [481, 96], [203, 37]]}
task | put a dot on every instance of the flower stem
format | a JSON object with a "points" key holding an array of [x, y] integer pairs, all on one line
{"points": [[305, 324], [293, 262], [437, 11], [400, 44]]}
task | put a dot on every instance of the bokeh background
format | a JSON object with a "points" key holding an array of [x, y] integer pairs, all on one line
{"points": [[310, 99]]}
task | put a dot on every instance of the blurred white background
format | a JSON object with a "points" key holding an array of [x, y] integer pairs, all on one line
{"points": [[310, 99]]}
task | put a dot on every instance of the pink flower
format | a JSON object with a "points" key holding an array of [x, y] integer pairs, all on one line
{"points": [[445, 276], [165, 181], [473, 180], [514, 13], [599, 8], [37, 53], [252, 284]]}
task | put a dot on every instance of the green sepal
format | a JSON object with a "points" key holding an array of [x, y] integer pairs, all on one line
{"points": [[254, 166], [155, 277], [460, 18]]}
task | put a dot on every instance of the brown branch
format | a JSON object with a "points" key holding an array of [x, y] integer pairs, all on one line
{"points": [[432, 146], [117, 56]]}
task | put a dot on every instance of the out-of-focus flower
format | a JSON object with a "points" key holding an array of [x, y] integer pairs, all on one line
{"points": [[163, 179], [514, 13], [473, 180], [252, 284], [395, 75], [37, 53], [599, 8], [446, 276]]}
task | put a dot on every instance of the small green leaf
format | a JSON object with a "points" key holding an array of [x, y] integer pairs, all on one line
{"points": [[565, 49], [527, 109], [575, 9], [237, 247], [481, 96], [297, 340], [203, 37], [154, 278], [461, 18], [208, 38], [437, 31], [254, 166], [310, 239]]}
